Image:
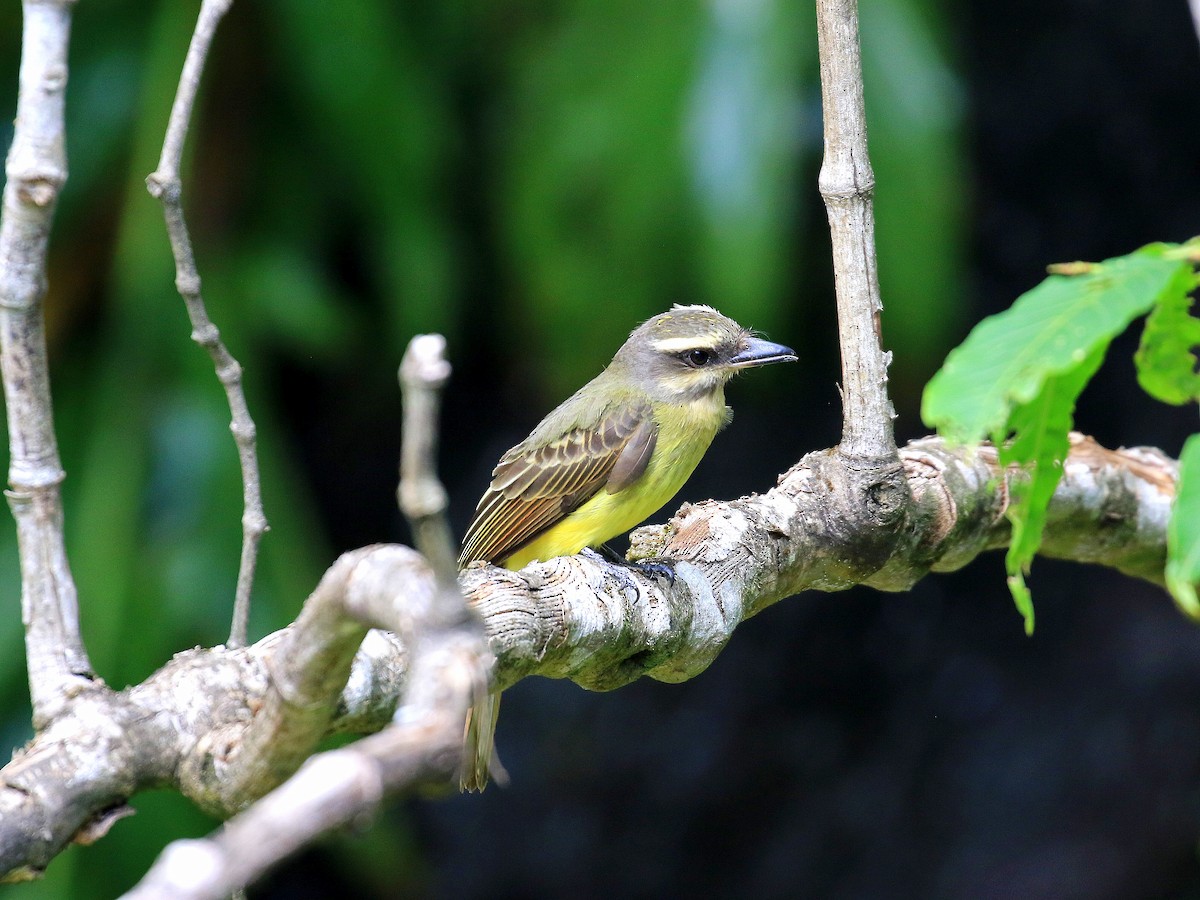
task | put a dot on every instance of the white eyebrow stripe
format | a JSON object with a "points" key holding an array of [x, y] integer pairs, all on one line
{"points": [[676, 344]]}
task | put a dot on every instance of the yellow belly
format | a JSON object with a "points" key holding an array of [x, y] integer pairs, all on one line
{"points": [[684, 434]]}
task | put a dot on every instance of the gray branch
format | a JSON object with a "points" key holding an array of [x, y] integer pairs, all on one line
{"points": [[164, 183], [423, 373], [847, 184], [231, 727], [422, 498], [449, 671], [422, 743], [194, 726], [866, 464], [36, 170]]}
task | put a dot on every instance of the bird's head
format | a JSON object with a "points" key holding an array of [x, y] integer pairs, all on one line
{"points": [[689, 352]]}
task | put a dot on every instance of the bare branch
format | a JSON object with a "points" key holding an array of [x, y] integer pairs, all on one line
{"points": [[164, 183], [333, 789], [449, 664], [847, 183], [232, 766], [424, 742], [576, 617], [423, 372], [36, 170]]}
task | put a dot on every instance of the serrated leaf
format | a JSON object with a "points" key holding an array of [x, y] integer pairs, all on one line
{"points": [[1165, 359], [1183, 532], [1050, 330]]}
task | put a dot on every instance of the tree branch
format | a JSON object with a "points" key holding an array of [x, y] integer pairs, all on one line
{"points": [[234, 764], [36, 171], [423, 373], [164, 183], [847, 183], [449, 665], [577, 617]]}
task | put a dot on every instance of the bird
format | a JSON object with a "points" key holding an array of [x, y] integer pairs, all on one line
{"points": [[608, 457]]}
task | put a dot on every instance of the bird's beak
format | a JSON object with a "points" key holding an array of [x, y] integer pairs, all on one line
{"points": [[757, 352]]}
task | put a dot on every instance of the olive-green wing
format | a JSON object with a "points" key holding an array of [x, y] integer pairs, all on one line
{"points": [[535, 486]]}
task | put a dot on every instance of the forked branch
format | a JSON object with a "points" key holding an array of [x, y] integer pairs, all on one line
{"points": [[577, 617], [448, 664]]}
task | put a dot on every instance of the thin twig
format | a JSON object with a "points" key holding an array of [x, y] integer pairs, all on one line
{"points": [[36, 171], [423, 372], [164, 183], [846, 183]]}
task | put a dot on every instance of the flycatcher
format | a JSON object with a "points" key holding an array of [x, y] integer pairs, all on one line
{"points": [[613, 453]]}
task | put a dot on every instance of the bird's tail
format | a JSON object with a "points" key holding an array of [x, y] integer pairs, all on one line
{"points": [[479, 745]]}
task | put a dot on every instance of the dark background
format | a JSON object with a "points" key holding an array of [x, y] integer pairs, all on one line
{"points": [[533, 179]]}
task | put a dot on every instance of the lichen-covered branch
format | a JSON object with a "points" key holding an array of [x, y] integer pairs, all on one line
{"points": [[36, 170], [603, 627], [165, 184], [233, 764], [423, 742], [577, 617]]}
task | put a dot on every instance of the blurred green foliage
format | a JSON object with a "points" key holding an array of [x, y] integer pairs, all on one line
{"points": [[538, 175]]}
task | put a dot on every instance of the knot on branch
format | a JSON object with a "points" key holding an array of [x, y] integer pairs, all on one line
{"points": [[39, 190], [207, 335], [164, 187], [866, 515], [886, 494], [54, 79], [230, 373], [246, 432], [31, 474]]}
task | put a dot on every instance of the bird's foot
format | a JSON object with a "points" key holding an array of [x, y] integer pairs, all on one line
{"points": [[660, 568], [654, 568]]}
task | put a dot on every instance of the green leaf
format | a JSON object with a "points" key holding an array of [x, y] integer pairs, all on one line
{"points": [[1040, 444], [1022, 598], [1165, 362], [1007, 358], [1183, 532], [1016, 377]]}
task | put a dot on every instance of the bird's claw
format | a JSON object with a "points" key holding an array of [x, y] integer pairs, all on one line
{"points": [[649, 567], [656, 569]]}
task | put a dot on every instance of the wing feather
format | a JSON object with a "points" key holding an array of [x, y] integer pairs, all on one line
{"points": [[535, 485], [634, 457]]}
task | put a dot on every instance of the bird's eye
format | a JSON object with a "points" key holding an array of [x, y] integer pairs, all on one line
{"points": [[697, 358]]}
